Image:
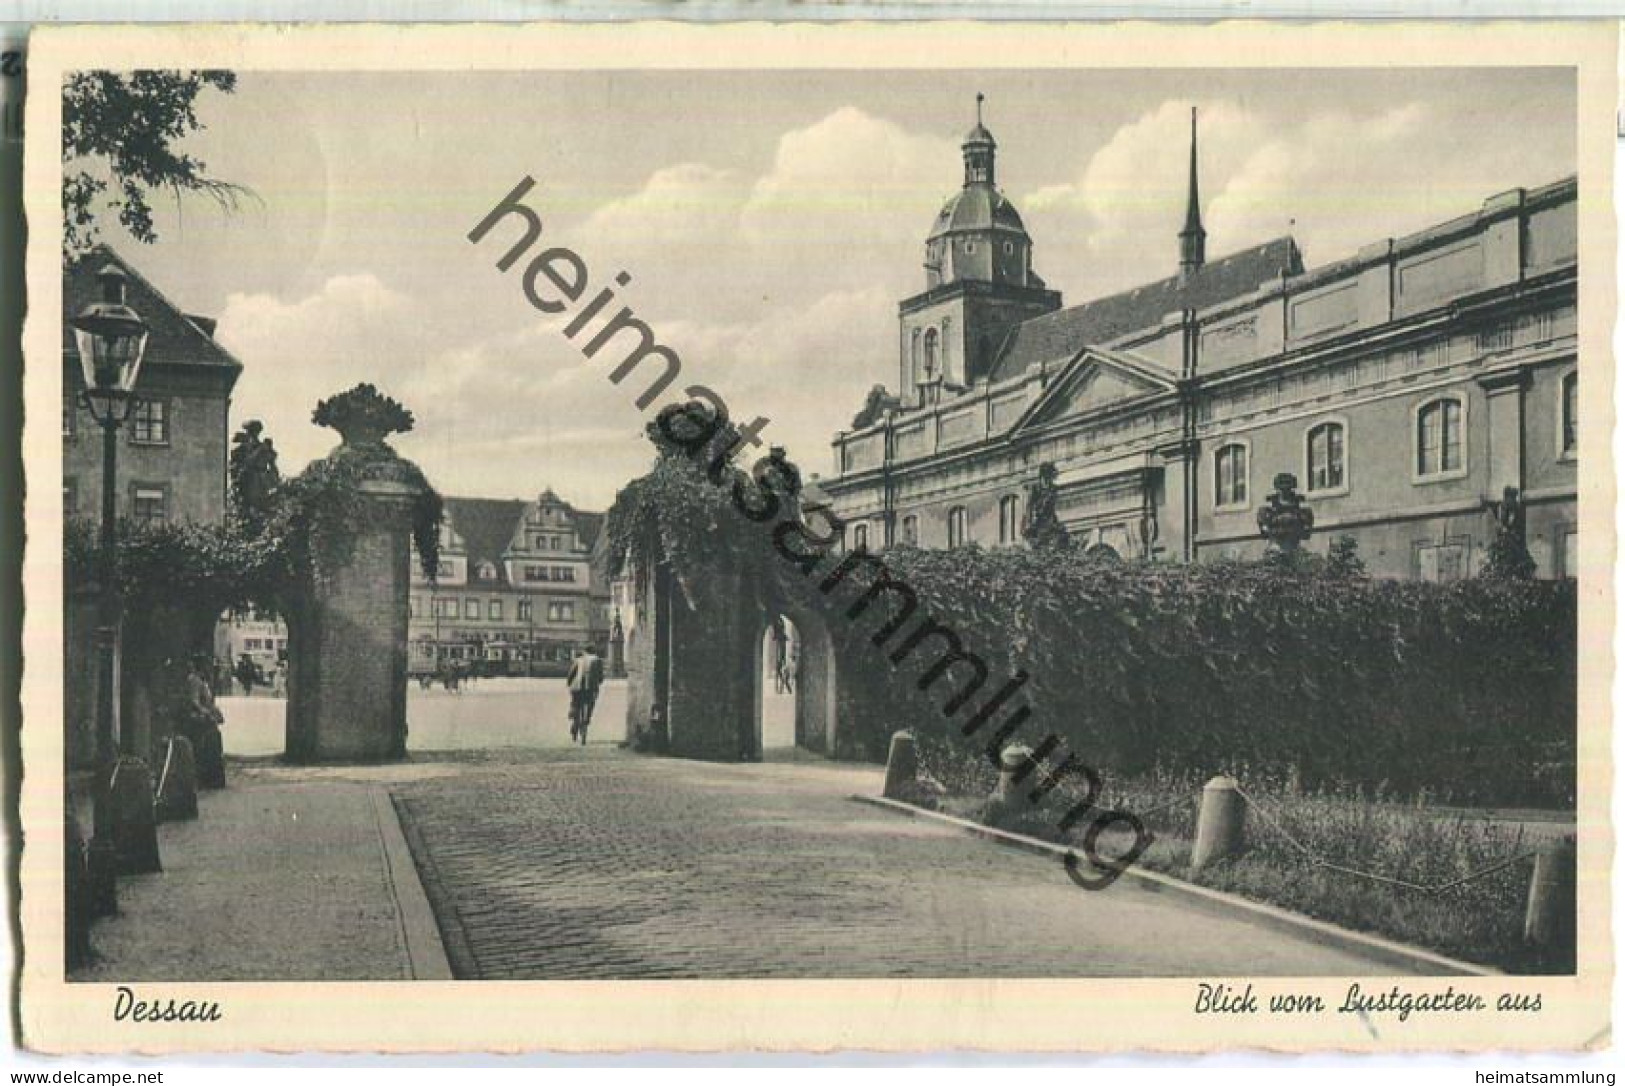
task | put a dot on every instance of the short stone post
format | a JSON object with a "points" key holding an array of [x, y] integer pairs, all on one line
{"points": [[1550, 917], [902, 765], [1221, 823], [135, 833], [177, 780]]}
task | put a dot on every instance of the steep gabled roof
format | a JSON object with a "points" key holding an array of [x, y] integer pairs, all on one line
{"points": [[175, 338], [588, 525], [1055, 337], [486, 526]]}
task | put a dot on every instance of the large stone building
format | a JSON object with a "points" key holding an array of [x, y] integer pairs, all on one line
{"points": [[1404, 388], [520, 586], [172, 451]]}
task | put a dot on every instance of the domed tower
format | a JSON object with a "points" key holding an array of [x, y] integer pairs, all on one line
{"points": [[979, 282]]}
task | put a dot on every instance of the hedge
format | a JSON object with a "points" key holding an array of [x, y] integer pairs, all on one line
{"points": [[1463, 692]]}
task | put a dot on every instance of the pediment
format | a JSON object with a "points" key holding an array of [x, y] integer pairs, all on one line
{"points": [[1093, 381]]}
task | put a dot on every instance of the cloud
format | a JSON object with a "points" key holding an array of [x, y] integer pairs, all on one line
{"points": [[1117, 221]]}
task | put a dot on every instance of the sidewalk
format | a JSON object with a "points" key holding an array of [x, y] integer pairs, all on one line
{"points": [[291, 873]]}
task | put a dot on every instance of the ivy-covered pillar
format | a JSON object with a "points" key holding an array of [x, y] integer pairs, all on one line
{"points": [[359, 510]]}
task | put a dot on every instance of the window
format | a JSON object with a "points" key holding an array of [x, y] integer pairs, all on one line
{"points": [[1441, 450], [494, 610], [149, 504], [488, 572], [930, 371], [445, 608], [1230, 476], [564, 573], [471, 608], [956, 526], [524, 610], [1326, 450], [70, 414], [149, 422], [860, 537], [1569, 420], [443, 568], [1009, 248], [535, 573], [1009, 522], [561, 611], [911, 530]]}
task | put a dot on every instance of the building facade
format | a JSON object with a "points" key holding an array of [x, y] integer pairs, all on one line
{"points": [[520, 586], [1404, 388], [172, 451]]}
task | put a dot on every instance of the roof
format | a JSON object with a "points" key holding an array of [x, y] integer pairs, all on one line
{"points": [[1055, 337], [174, 337], [588, 525], [975, 207], [980, 134], [486, 526]]}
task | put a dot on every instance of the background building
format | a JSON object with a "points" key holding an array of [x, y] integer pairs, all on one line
{"points": [[1404, 388], [172, 454], [520, 587]]}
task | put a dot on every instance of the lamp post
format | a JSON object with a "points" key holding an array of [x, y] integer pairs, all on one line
{"points": [[111, 339]]}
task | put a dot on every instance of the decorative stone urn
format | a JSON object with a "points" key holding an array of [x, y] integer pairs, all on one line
{"points": [[1286, 521]]}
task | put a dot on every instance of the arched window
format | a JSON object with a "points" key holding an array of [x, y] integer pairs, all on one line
{"points": [[1441, 439], [860, 537], [911, 530], [956, 526], [1326, 455], [930, 371], [1569, 420], [914, 357], [1009, 519], [1230, 476]]}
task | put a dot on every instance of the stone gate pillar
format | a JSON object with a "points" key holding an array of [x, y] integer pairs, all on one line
{"points": [[347, 636]]}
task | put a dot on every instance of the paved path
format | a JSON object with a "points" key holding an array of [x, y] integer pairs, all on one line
{"points": [[599, 865], [288, 874]]}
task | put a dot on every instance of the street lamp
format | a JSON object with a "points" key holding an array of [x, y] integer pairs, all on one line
{"points": [[112, 339]]}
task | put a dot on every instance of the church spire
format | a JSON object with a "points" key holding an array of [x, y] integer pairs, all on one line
{"points": [[979, 150], [1192, 239]]}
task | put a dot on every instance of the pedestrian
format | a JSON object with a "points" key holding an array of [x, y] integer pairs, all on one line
{"points": [[585, 677], [200, 720], [247, 673]]}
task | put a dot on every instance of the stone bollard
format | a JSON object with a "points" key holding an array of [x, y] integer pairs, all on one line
{"points": [[1220, 824], [1549, 920], [135, 827], [1015, 763], [177, 781], [902, 766]]}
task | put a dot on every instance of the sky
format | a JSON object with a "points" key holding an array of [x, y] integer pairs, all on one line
{"points": [[770, 223]]}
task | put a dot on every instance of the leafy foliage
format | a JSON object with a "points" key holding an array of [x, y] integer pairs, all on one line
{"points": [[216, 567], [682, 514], [1467, 689], [322, 510], [120, 131]]}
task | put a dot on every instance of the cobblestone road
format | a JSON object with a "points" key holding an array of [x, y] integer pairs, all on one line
{"points": [[599, 865]]}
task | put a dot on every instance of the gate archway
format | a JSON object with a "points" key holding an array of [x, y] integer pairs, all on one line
{"points": [[702, 673]]}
